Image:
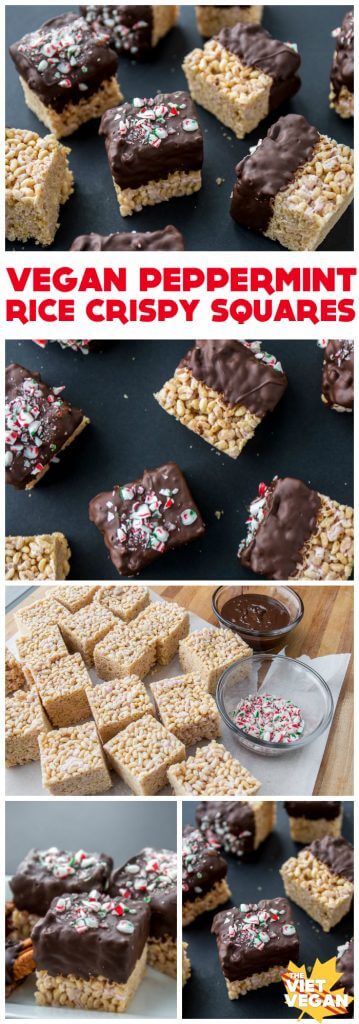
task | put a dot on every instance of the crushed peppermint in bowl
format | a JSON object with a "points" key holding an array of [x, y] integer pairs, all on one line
{"points": [[274, 704]]}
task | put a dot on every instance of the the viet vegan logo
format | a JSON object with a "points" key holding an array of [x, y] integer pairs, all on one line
{"points": [[317, 995]]}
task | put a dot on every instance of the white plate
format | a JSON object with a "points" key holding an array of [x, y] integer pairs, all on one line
{"points": [[155, 998]]}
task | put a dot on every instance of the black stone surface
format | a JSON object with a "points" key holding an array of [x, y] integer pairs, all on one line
{"points": [[129, 431], [205, 995], [204, 217]]}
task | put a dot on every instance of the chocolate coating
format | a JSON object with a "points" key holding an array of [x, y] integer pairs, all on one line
{"points": [[32, 403], [46, 874], [167, 239], [231, 822], [63, 62], [144, 148], [313, 810], [256, 612], [288, 145], [256, 48], [336, 853], [343, 60], [290, 519], [202, 864], [233, 370], [129, 25], [338, 374], [142, 520], [151, 876], [235, 929], [63, 945], [345, 964], [13, 948]]}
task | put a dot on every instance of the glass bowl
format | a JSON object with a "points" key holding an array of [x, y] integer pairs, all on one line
{"points": [[258, 640], [281, 677]]}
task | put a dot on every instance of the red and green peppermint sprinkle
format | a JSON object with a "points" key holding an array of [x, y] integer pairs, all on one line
{"points": [[151, 122], [91, 912], [269, 718], [144, 524]]}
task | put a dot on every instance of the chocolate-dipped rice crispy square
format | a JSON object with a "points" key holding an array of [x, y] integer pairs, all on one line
{"points": [[151, 876], [204, 875], [46, 874], [62, 688], [338, 375], [117, 703], [83, 629], [314, 819], [186, 964], [186, 708], [141, 520], [74, 598], [212, 18], [208, 652], [294, 531], [14, 675], [45, 556], [321, 879], [345, 964], [154, 148], [295, 201], [37, 182], [43, 646], [123, 652], [242, 75], [134, 29], [238, 826], [222, 390], [142, 755], [341, 95], [25, 721], [38, 615], [67, 72], [166, 239], [255, 942], [90, 951], [19, 963], [39, 424], [124, 602], [72, 761], [212, 771]]}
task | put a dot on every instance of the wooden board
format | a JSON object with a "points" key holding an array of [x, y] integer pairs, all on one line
{"points": [[326, 628]]}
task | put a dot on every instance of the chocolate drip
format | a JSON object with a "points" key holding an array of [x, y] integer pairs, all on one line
{"points": [[63, 62], [168, 239], [288, 145], [12, 951], [290, 520], [231, 822], [313, 810], [129, 25], [151, 877], [103, 948], [231, 369], [35, 884], [343, 61], [202, 864], [144, 148], [256, 48], [239, 956], [338, 373], [336, 853]]}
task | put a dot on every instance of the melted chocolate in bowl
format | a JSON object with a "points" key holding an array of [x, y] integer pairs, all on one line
{"points": [[256, 612]]}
